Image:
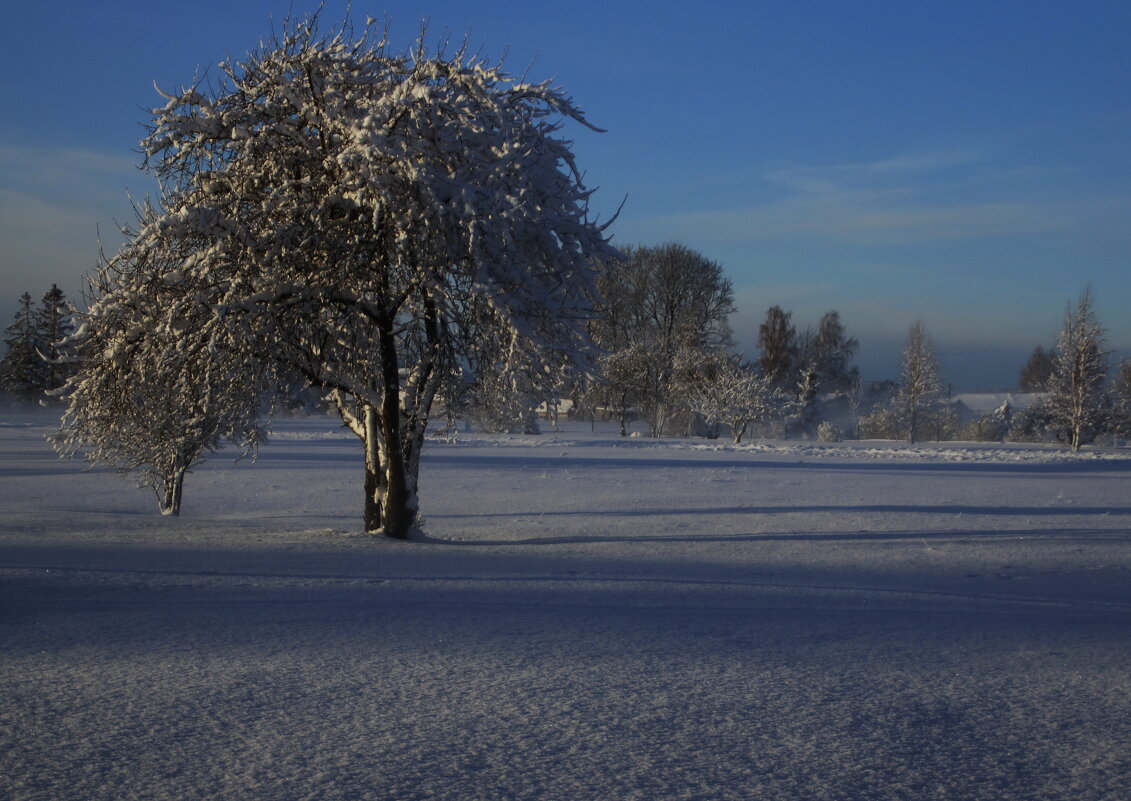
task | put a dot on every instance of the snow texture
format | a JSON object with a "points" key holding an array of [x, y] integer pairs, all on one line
{"points": [[586, 617]]}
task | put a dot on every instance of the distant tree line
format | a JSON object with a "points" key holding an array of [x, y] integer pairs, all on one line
{"points": [[1077, 396], [669, 361], [667, 356], [666, 360]]}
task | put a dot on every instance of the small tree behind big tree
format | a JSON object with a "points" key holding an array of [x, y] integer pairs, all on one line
{"points": [[148, 398], [348, 206], [53, 324]]}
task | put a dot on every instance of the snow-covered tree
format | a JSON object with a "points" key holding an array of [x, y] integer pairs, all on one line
{"points": [[640, 377], [148, 398], [1075, 402], [920, 387], [724, 389], [658, 302], [621, 380], [53, 324], [22, 371], [347, 204], [806, 391], [1121, 400]]}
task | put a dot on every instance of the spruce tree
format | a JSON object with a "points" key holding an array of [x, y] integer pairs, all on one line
{"points": [[1035, 374], [53, 324], [22, 371]]}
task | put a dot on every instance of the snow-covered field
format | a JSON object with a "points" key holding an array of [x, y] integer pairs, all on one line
{"points": [[586, 617]]}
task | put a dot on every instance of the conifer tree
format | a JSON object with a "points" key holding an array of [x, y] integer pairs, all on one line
{"points": [[22, 371], [53, 324], [1035, 373], [829, 352]]}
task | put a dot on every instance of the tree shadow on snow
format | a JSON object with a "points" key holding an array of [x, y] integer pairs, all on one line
{"points": [[935, 509], [1081, 536], [628, 461]]}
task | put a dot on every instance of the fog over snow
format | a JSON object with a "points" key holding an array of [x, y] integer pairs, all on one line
{"points": [[583, 617]]}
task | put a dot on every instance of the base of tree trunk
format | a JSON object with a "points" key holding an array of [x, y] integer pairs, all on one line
{"points": [[409, 534], [170, 502]]}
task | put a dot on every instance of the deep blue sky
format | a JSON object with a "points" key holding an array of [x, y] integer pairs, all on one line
{"points": [[966, 163]]}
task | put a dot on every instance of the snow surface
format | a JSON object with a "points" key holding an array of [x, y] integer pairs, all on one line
{"points": [[585, 617]]}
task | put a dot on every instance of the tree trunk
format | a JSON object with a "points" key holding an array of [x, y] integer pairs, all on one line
{"points": [[398, 499], [373, 477], [171, 499]]}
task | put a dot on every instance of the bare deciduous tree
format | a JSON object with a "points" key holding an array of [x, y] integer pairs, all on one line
{"points": [[658, 302], [777, 340]]}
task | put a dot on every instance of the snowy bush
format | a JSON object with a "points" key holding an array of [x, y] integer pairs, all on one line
{"points": [[884, 422], [828, 432]]}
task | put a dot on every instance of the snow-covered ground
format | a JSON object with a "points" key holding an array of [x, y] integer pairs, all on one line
{"points": [[585, 617]]}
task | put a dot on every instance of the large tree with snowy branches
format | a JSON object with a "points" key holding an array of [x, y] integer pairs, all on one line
{"points": [[350, 206]]}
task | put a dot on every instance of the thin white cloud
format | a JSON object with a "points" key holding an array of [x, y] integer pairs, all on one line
{"points": [[889, 172], [912, 199]]}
